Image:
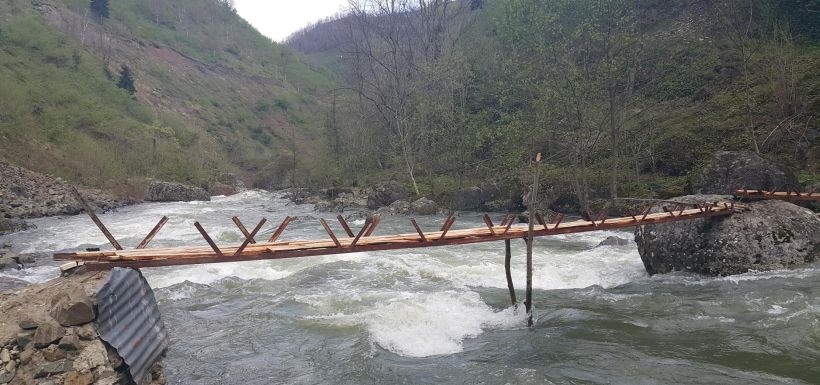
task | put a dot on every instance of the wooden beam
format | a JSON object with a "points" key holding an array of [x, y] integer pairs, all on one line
{"points": [[95, 219], [346, 228], [280, 230], [153, 232], [208, 239]]}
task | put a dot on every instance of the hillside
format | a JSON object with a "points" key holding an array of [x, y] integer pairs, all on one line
{"points": [[212, 95], [623, 98]]}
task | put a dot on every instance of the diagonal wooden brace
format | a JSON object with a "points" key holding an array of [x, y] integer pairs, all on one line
{"points": [[280, 230], [343, 222], [242, 228], [330, 232], [95, 219], [153, 232], [446, 227], [361, 232], [509, 223], [208, 239], [558, 219], [540, 218], [418, 229], [375, 222], [249, 238], [489, 223]]}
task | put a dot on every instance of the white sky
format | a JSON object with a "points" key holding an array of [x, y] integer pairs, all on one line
{"points": [[277, 19]]}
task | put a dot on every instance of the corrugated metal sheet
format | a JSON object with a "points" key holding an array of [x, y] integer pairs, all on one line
{"points": [[128, 319]]}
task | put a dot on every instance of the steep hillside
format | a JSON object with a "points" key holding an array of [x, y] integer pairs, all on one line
{"points": [[212, 94], [623, 98]]}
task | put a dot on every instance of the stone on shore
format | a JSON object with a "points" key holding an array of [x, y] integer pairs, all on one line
{"points": [[72, 307], [385, 193], [160, 191], [771, 235]]}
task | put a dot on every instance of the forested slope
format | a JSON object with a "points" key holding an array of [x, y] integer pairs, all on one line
{"points": [[211, 94], [623, 98]]}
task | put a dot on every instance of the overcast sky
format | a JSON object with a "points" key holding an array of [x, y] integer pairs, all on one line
{"points": [[277, 19]]}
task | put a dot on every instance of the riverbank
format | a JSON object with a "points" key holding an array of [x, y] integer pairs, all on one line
{"points": [[51, 333]]}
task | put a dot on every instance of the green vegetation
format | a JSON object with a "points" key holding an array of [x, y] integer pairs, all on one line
{"points": [[623, 97], [195, 70]]}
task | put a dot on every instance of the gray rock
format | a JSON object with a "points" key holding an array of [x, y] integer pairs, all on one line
{"points": [[46, 334], [470, 198], [771, 235], [8, 283], [732, 170], [77, 378], [9, 262], [27, 324], [5, 355], [25, 356], [423, 206], [52, 368], [385, 193], [53, 353], [6, 377], [159, 191], [85, 332], [613, 241], [91, 356], [72, 307], [69, 343], [24, 338]]}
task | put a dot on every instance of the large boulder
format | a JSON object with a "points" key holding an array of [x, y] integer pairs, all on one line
{"points": [[732, 170], [423, 206], [72, 307], [385, 193], [474, 198], [227, 184], [770, 235], [159, 191]]}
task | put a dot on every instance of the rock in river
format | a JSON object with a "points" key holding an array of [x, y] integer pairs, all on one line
{"points": [[770, 235], [159, 191]]}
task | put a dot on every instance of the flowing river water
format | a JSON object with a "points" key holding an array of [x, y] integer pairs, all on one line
{"points": [[443, 315]]}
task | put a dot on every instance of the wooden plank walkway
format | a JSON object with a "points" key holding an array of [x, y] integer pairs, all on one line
{"points": [[250, 250], [790, 195]]}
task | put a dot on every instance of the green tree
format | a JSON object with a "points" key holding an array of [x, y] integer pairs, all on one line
{"points": [[126, 81], [100, 8]]}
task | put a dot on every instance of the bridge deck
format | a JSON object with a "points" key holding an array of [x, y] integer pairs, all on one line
{"points": [[248, 251], [790, 195]]}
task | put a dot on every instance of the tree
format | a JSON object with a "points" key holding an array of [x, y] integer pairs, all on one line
{"points": [[100, 8], [392, 46], [126, 81]]}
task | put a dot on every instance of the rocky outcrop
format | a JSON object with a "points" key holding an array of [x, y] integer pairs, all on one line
{"points": [[28, 194], [385, 193], [35, 348], [613, 241], [770, 235], [732, 170], [160, 191], [423, 206], [227, 184]]}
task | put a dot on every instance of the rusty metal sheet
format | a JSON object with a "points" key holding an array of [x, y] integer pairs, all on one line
{"points": [[128, 319]]}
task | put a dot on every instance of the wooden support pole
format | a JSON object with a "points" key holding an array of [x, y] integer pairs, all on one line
{"points": [[280, 230], [530, 233], [540, 218], [345, 226], [208, 239], [153, 232], [507, 258], [330, 232], [249, 238], [444, 225], [418, 229], [95, 219], [558, 219]]}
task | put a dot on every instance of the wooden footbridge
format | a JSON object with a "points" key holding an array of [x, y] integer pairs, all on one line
{"points": [[364, 239]]}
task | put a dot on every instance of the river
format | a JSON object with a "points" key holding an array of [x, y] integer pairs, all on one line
{"points": [[443, 315]]}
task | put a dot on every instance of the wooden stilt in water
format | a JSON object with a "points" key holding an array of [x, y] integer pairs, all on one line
{"points": [[507, 258], [530, 231]]}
